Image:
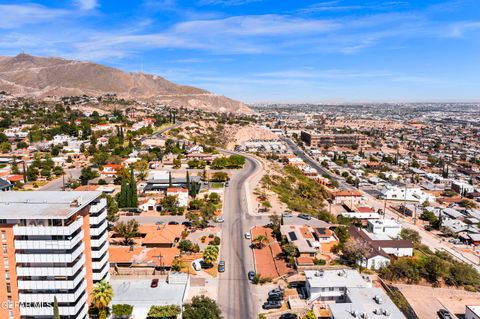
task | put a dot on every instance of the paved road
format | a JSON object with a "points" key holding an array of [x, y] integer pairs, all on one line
{"points": [[235, 293], [163, 130], [57, 184], [313, 163]]}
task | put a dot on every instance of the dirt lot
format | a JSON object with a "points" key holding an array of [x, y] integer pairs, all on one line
{"points": [[426, 301]]}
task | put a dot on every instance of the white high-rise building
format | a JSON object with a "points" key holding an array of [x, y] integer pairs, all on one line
{"points": [[54, 245]]}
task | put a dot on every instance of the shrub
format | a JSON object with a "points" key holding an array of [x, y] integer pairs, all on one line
{"points": [[122, 310], [216, 241], [163, 312]]}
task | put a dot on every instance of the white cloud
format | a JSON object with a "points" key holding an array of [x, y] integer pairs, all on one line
{"points": [[86, 4], [227, 2], [16, 15], [460, 29]]}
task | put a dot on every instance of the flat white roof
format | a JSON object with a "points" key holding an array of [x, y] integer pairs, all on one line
{"points": [[335, 278], [43, 204], [385, 222], [362, 300], [474, 309]]}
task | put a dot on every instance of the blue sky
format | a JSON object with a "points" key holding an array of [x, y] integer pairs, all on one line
{"points": [[267, 50]]}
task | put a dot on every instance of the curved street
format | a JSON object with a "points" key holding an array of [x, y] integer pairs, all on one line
{"points": [[235, 293]]}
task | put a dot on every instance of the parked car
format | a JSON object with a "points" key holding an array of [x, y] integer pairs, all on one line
{"points": [[197, 265], [187, 224], [304, 216], [251, 275], [154, 283], [287, 214], [248, 236], [173, 223], [158, 223], [275, 292], [220, 220], [272, 305], [221, 266], [275, 298], [288, 316], [444, 314], [227, 184]]}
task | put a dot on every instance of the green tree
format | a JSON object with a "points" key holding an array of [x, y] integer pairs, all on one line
{"points": [[275, 223], [87, 174], [170, 204], [185, 245], [141, 167], [56, 311], [435, 269], [5, 147], [102, 295], [219, 177], [202, 307], [428, 216], [310, 315], [210, 254], [342, 234], [133, 190], [290, 251], [122, 195], [468, 204], [411, 234], [112, 208], [354, 252], [261, 241], [127, 230]]}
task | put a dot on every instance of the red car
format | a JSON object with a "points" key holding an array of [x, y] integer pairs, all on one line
{"points": [[154, 283]]}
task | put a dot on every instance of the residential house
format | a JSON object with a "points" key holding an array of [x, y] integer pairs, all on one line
{"points": [[389, 227], [160, 235], [409, 194], [180, 193], [348, 196], [110, 170], [379, 247]]}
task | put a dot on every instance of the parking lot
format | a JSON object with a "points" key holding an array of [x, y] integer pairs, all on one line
{"points": [[139, 294], [426, 301]]}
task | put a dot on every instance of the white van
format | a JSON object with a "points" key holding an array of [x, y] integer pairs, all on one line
{"points": [[197, 265]]}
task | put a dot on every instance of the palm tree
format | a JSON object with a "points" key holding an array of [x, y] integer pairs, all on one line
{"points": [[102, 295], [261, 240], [210, 254]]}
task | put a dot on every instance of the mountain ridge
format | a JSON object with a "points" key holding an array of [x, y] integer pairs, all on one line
{"points": [[40, 77]]}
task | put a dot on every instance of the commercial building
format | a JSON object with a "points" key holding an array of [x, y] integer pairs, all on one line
{"points": [[54, 245], [328, 140], [472, 312], [348, 294]]}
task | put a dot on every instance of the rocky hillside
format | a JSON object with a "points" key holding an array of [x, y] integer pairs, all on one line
{"points": [[40, 77]]}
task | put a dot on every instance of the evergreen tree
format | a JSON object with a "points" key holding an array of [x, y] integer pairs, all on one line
{"points": [[188, 180], [56, 312], [133, 190], [169, 179], [122, 197]]}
